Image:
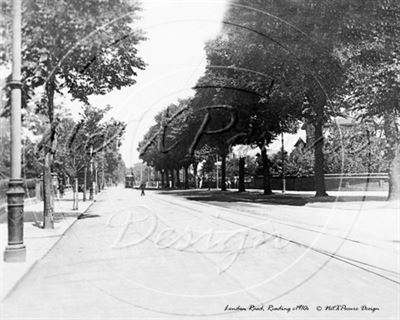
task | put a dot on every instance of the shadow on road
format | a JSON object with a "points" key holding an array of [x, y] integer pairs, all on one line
{"points": [[87, 216], [31, 216]]}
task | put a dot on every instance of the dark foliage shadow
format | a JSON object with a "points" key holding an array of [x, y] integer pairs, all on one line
{"points": [[258, 197]]}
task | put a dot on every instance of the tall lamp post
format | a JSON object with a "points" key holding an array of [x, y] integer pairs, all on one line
{"points": [[216, 165], [96, 179], [283, 166], [91, 169], [15, 250]]}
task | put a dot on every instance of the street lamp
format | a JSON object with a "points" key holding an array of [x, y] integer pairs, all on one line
{"points": [[15, 250], [216, 164], [91, 169], [96, 180], [283, 166]]}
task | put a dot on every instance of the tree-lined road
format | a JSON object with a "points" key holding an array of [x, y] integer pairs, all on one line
{"points": [[161, 256]]}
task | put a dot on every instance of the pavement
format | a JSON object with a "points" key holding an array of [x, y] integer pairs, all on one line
{"points": [[166, 257], [38, 241]]}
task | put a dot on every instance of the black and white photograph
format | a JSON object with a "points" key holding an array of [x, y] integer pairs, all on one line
{"points": [[199, 159]]}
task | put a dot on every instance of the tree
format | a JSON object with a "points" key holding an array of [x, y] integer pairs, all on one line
{"points": [[243, 77], [208, 167], [5, 22], [293, 43], [163, 146], [219, 119], [5, 160], [278, 162], [370, 51], [300, 163], [78, 48], [355, 149], [91, 132]]}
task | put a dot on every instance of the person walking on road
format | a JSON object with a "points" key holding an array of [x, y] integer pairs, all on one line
{"points": [[142, 187]]}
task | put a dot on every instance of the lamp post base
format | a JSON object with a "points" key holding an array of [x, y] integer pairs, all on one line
{"points": [[15, 250], [15, 253]]}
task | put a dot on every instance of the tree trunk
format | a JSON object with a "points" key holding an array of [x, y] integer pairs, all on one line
{"points": [[196, 184], [84, 183], [167, 177], [185, 168], [162, 179], [241, 175], [223, 172], [102, 178], [91, 181], [266, 172], [178, 179], [96, 179], [172, 179], [75, 194], [319, 173], [48, 205], [394, 175], [393, 145]]}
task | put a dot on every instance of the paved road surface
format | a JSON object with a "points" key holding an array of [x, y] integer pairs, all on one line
{"points": [[163, 257]]}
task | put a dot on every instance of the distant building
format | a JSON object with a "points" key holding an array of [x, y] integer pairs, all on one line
{"points": [[341, 122], [335, 122], [300, 145]]}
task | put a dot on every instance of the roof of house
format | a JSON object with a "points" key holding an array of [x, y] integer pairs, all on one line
{"points": [[300, 141], [342, 121], [337, 121]]}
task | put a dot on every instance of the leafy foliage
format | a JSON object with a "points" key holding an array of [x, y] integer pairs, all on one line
{"points": [[91, 132], [91, 51]]}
